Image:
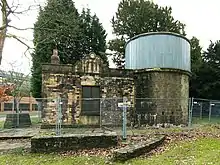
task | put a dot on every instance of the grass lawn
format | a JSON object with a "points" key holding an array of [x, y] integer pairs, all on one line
{"points": [[1, 124], [200, 151], [205, 120], [34, 121]]}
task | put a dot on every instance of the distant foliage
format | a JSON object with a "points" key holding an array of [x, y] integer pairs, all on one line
{"points": [[205, 70], [209, 74], [4, 92], [196, 66]]}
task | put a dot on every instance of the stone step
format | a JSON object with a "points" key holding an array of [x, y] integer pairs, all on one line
{"points": [[137, 149]]}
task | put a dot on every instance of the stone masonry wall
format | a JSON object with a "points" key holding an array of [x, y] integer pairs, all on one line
{"points": [[72, 142], [66, 86], [66, 81], [165, 96], [113, 89]]}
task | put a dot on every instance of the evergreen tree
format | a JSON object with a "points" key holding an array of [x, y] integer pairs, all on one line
{"points": [[94, 34], [59, 25], [209, 74], [139, 16], [196, 64]]}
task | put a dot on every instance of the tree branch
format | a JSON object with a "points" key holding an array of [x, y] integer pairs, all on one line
{"points": [[10, 11], [18, 39], [14, 27], [24, 11]]}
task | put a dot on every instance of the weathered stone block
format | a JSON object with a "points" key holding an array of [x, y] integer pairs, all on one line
{"points": [[73, 142], [17, 120], [134, 150], [89, 120]]}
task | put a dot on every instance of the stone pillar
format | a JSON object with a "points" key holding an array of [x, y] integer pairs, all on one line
{"points": [[55, 59]]}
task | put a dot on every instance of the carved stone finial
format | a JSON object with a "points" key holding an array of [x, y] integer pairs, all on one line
{"points": [[55, 59]]}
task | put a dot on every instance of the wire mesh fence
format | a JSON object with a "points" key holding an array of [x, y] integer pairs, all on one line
{"points": [[114, 114], [205, 111], [22, 112], [161, 111]]}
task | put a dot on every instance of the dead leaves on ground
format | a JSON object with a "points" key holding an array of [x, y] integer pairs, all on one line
{"points": [[189, 136]]}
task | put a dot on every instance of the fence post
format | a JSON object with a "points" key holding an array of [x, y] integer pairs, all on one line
{"points": [[210, 110], [100, 118], [13, 105], [59, 115], [200, 114], [190, 112], [17, 112], [39, 109], [124, 131]]}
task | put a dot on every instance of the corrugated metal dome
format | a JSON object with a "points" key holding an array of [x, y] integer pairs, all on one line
{"points": [[158, 50]]}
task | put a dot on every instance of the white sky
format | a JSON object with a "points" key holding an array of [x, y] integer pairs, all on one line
{"points": [[200, 16]]}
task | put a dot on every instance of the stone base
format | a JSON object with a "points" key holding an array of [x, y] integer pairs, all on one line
{"points": [[134, 150], [11, 121], [74, 142], [53, 126], [89, 120]]}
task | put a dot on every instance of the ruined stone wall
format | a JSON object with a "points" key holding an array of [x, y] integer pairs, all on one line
{"points": [[165, 95]]}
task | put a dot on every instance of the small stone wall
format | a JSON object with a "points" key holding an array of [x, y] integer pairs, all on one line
{"points": [[72, 142], [53, 126], [137, 149]]}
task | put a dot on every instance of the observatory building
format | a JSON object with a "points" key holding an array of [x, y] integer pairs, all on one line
{"points": [[161, 64], [155, 81]]}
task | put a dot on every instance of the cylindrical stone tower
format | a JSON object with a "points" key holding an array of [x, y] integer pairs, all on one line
{"points": [[161, 62]]}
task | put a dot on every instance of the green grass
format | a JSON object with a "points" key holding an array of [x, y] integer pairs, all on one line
{"points": [[205, 120], [200, 151], [35, 120], [1, 124]]}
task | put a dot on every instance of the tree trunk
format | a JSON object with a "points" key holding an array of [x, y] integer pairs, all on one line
{"points": [[3, 26], [13, 105], [2, 41]]}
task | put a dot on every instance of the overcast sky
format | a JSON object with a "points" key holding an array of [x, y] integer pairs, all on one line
{"points": [[200, 16]]}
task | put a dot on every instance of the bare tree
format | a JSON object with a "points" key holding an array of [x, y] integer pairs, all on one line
{"points": [[20, 83], [6, 11]]}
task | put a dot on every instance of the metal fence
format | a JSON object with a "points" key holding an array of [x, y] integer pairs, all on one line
{"points": [[17, 113], [204, 111], [111, 113]]}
